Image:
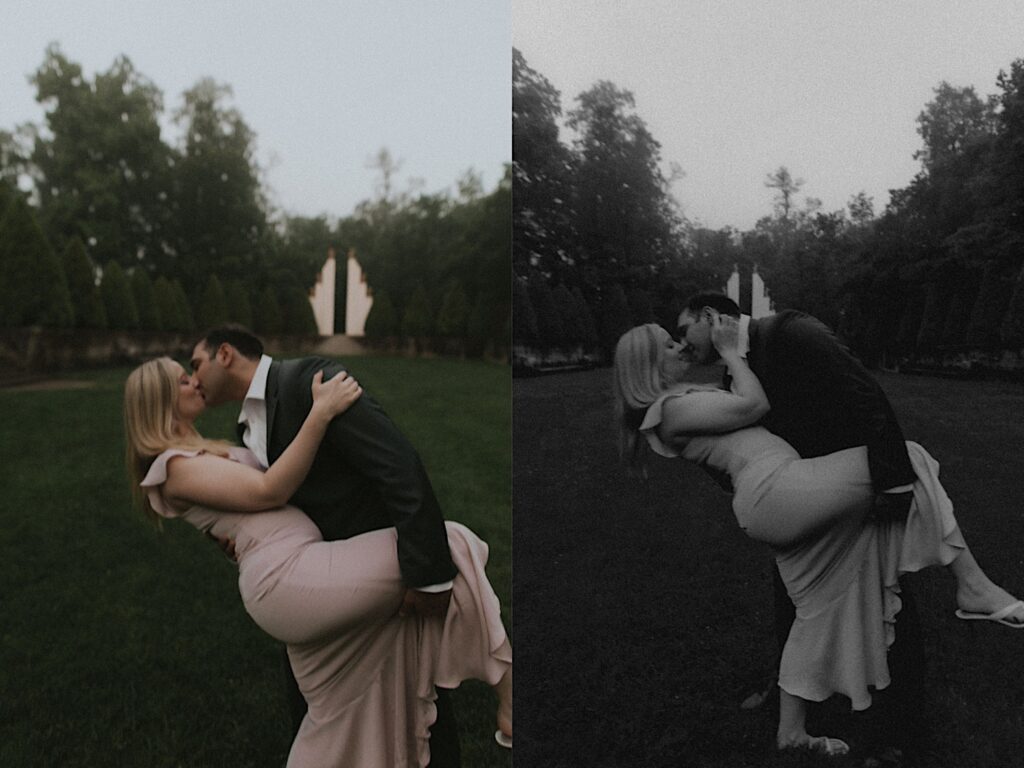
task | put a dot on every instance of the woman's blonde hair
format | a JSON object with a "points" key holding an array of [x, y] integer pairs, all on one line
{"points": [[151, 424], [637, 382]]}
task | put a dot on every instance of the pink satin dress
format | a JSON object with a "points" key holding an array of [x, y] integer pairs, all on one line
{"points": [[842, 570], [367, 674]]}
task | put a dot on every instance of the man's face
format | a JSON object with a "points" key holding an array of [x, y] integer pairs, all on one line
{"points": [[209, 375], [695, 332]]}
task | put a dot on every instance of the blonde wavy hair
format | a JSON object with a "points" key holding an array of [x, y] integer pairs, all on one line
{"points": [[637, 383], [151, 424]]}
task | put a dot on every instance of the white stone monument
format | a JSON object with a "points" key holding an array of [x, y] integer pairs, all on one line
{"points": [[358, 298], [322, 296], [760, 301]]}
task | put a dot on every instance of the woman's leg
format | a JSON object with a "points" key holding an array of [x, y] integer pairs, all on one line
{"points": [[504, 691], [976, 592], [792, 731]]}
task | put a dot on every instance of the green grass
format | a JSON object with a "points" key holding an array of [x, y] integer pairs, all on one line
{"points": [[122, 646], [645, 615]]}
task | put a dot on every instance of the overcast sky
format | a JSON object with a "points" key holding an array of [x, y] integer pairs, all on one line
{"points": [[733, 89], [325, 85]]}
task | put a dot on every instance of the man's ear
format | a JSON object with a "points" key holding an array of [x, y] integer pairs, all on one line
{"points": [[225, 354]]}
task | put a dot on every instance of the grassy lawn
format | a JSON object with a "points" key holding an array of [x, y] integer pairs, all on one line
{"points": [[122, 646], [646, 615]]}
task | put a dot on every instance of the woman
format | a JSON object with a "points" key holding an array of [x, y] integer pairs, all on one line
{"points": [[840, 567], [367, 674]]}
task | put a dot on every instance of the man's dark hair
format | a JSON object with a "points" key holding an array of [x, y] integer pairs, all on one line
{"points": [[238, 336], [717, 301]]}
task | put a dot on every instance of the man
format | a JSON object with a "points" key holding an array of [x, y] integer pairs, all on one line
{"points": [[365, 476], [823, 400]]}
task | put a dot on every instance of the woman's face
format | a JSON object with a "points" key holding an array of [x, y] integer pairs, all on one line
{"points": [[190, 399], [674, 359]]}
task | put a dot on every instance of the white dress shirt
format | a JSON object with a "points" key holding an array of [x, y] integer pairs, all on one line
{"points": [[254, 413]]}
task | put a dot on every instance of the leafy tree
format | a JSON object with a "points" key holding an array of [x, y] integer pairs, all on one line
{"points": [[786, 188], [628, 225], [145, 301], [221, 210], [213, 306], [418, 318], [85, 294], [542, 214], [34, 290], [382, 321], [949, 123], [102, 172], [118, 301]]}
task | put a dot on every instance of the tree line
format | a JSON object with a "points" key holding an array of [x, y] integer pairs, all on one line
{"points": [[104, 224], [600, 245]]}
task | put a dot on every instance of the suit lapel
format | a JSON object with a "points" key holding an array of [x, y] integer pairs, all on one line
{"points": [[273, 378]]}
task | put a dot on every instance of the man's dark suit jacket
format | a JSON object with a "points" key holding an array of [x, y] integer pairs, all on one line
{"points": [[822, 399], [366, 475]]}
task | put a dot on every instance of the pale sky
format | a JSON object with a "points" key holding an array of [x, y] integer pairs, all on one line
{"points": [[325, 85], [733, 89]]}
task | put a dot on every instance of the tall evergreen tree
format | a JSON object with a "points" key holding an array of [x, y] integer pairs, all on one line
{"points": [[167, 306], [382, 321], [118, 301], [454, 312], [85, 294], [213, 308], [145, 301], [34, 289], [418, 317]]}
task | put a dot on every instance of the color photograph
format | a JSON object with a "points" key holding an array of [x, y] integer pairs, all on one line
{"points": [[255, 391]]}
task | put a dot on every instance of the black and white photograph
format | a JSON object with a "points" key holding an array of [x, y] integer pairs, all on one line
{"points": [[767, 383]]}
